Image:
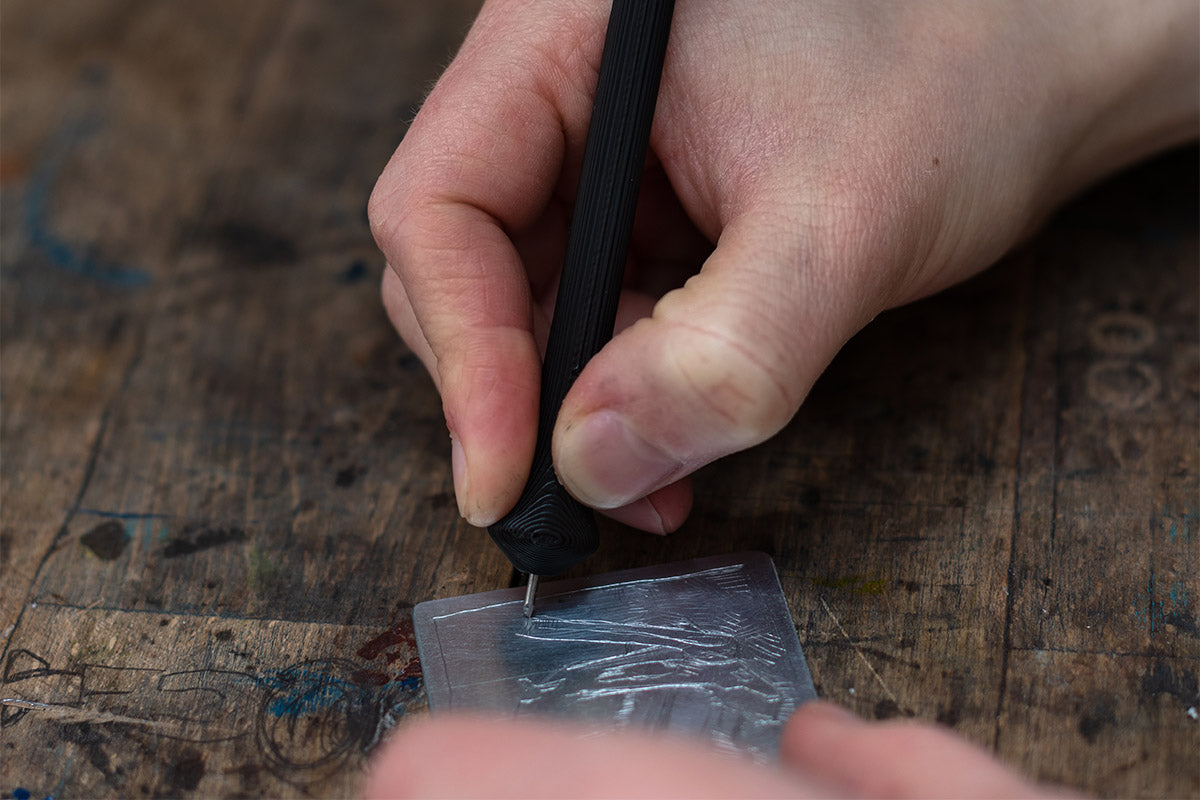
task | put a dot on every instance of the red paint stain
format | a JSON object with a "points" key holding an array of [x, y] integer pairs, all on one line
{"points": [[369, 677], [393, 644]]}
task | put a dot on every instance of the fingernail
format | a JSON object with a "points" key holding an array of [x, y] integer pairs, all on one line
{"points": [[458, 466], [605, 463], [639, 514]]}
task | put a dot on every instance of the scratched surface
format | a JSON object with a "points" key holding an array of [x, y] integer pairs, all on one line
{"points": [[704, 648], [985, 514]]}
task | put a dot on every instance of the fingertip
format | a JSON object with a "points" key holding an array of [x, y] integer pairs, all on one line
{"points": [[458, 469], [908, 758], [811, 728], [476, 756], [452, 756], [606, 462], [481, 507], [393, 772], [660, 512], [672, 503], [490, 398]]}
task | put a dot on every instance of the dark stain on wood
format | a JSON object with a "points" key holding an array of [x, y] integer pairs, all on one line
{"points": [[1183, 621], [1179, 683], [441, 500], [92, 742], [246, 244], [1101, 714], [888, 708], [392, 643], [106, 541], [199, 538], [370, 677], [348, 475], [185, 771], [355, 272]]}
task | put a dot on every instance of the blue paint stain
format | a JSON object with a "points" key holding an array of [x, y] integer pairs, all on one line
{"points": [[1179, 596], [136, 522], [305, 691], [1184, 519], [58, 252], [122, 515], [20, 793], [149, 525], [1158, 611], [1154, 605]]}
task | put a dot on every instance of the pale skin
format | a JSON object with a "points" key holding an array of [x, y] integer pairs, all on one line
{"points": [[812, 164], [826, 752]]}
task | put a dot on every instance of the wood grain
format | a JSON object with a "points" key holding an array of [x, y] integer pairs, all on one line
{"points": [[225, 481]]}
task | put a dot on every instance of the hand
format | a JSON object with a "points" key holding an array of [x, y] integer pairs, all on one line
{"points": [[825, 752], [844, 157]]}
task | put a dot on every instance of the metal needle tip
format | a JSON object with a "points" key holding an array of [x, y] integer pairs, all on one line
{"points": [[530, 595]]}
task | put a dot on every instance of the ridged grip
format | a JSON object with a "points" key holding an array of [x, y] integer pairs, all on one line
{"points": [[548, 530]]}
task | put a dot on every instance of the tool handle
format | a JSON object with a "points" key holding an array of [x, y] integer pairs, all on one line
{"points": [[548, 530]]}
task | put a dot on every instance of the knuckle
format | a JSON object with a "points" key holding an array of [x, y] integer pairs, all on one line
{"points": [[732, 384], [382, 208]]}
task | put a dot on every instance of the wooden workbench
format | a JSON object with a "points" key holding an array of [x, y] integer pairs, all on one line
{"points": [[225, 480]]}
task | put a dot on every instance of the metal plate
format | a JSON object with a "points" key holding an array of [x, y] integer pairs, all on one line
{"points": [[704, 647]]}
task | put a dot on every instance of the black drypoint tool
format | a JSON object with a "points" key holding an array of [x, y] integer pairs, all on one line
{"points": [[548, 530]]}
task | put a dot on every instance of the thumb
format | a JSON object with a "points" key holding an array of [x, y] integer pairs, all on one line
{"points": [[722, 364]]}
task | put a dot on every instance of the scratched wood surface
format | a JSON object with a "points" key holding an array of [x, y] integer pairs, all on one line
{"points": [[225, 481]]}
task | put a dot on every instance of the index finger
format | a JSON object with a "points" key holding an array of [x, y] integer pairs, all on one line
{"points": [[481, 162]]}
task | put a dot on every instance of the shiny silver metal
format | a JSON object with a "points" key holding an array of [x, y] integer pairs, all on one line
{"points": [[530, 595], [705, 647]]}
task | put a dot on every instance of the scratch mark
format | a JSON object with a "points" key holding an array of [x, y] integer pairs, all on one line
{"points": [[891, 695], [89, 470], [62, 783], [68, 714]]}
